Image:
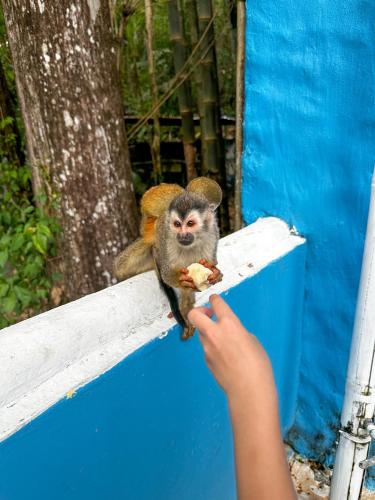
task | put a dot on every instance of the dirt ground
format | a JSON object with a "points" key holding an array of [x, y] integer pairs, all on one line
{"points": [[311, 480]]}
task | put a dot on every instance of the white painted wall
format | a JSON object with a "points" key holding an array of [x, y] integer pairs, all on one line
{"points": [[45, 358]]}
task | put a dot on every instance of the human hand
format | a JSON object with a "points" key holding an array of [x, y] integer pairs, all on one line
{"points": [[236, 358]]}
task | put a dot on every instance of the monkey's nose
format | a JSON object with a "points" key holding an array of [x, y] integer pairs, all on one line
{"points": [[185, 238]]}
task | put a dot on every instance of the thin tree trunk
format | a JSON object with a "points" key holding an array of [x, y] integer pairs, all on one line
{"points": [[178, 39], [69, 92], [213, 149], [192, 16], [239, 112], [155, 144]]}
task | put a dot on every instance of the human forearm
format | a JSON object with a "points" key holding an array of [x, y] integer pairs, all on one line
{"points": [[242, 368], [261, 467]]}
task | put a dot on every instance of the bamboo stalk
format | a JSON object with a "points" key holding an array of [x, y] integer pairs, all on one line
{"points": [[239, 112], [155, 144], [192, 17], [177, 36], [212, 141]]}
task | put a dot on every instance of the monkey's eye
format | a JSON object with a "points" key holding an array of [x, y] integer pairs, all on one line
{"points": [[177, 223], [190, 223]]}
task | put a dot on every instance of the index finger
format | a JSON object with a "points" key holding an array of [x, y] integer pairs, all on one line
{"points": [[198, 318], [220, 307]]}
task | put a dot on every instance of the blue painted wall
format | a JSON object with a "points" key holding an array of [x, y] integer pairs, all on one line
{"points": [[308, 158], [156, 426]]}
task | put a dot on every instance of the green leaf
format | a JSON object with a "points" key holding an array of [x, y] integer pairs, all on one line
{"points": [[3, 322], [43, 229], [7, 219], [42, 293], [4, 287], [40, 242], [31, 270], [9, 303], [8, 120], [24, 295], [4, 241], [28, 210], [3, 258], [17, 242]]}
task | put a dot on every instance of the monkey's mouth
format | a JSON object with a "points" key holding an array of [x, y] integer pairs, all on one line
{"points": [[185, 240], [186, 243]]}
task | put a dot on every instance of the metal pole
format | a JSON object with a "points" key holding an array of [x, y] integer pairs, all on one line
{"points": [[359, 402]]}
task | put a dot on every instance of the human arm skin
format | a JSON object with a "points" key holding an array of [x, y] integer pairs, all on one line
{"points": [[242, 368]]}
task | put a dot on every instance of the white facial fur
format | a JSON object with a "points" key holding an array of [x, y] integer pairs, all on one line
{"points": [[192, 223]]}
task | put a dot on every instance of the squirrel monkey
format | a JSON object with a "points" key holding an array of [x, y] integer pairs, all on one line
{"points": [[178, 228]]}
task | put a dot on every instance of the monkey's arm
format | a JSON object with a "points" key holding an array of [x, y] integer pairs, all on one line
{"points": [[135, 259]]}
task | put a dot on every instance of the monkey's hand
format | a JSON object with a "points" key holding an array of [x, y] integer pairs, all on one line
{"points": [[185, 280], [216, 275]]}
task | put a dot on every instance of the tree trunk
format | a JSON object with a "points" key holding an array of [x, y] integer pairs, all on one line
{"points": [[69, 92], [177, 34], [212, 140], [155, 143], [192, 16], [239, 112]]}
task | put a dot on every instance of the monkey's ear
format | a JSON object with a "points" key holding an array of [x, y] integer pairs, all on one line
{"points": [[207, 188], [157, 199]]}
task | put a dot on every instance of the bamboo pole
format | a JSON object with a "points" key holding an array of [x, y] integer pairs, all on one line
{"points": [[192, 17], [177, 36], [212, 141], [240, 62], [155, 144]]}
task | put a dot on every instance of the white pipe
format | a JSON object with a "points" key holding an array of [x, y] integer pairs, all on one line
{"points": [[359, 402]]}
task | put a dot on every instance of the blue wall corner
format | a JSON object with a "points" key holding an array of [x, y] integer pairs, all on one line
{"points": [[156, 426], [308, 158]]}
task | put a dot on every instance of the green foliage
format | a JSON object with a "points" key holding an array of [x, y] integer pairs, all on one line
{"points": [[226, 55], [5, 56], [27, 240], [136, 81], [135, 78]]}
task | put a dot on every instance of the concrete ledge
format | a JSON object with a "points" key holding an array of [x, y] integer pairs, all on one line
{"points": [[45, 358]]}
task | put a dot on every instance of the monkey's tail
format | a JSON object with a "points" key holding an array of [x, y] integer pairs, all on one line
{"points": [[173, 302], [135, 259], [171, 296]]}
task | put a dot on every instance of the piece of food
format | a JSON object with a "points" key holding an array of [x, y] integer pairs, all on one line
{"points": [[199, 274]]}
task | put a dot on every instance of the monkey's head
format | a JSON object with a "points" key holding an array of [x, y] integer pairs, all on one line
{"points": [[191, 217]]}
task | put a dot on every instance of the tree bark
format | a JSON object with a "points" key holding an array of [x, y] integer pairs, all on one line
{"points": [[69, 93]]}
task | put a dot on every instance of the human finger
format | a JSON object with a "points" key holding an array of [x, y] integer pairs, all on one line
{"points": [[205, 310], [200, 320], [220, 307]]}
